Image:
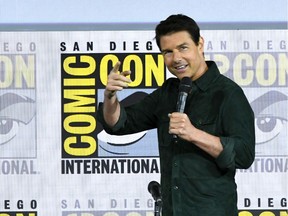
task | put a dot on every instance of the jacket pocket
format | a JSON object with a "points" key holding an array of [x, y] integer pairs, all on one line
{"points": [[206, 123]]}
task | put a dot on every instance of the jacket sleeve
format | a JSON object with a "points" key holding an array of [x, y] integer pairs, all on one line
{"points": [[239, 132], [136, 117], [117, 126]]}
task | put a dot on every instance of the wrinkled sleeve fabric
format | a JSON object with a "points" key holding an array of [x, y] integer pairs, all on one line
{"points": [[239, 132], [117, 126], [133, 118]]}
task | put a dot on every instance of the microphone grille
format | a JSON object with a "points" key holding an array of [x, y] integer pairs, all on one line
{"points": [[185, 85], [153, 184]]}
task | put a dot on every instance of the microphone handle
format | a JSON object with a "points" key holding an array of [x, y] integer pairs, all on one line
{"points": [[180, 108], [181, 102], [175, 138]]}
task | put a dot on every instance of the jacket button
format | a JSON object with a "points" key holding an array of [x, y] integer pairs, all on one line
{"points": [[175, 187]]}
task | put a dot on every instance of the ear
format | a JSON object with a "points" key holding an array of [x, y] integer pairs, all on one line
{"points": [[201, 44]]}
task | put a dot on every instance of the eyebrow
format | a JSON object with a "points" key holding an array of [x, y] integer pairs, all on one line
{"points": [[11, 98], [13, 106], [178, 46], [266, 100]]}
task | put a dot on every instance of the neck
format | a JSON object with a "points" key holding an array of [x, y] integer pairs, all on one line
{"points": [[202, 70]]}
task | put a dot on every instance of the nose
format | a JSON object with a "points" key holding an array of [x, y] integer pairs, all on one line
{"points": [[176, 56]]}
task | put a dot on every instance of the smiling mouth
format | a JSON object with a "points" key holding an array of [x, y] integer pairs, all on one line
{"points": [[181, 67]]}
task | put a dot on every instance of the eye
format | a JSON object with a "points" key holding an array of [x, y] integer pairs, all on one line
{"points": [[15, 111], [8, 130], [183, 48], [268, 128], [270, 117], [134, 144], [166, 53]]}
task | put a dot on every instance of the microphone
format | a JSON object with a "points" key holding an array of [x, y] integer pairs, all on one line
{"points": [[185, 88], [155, 189]]}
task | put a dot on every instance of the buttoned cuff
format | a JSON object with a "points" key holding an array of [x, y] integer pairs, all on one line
{"points": [[117, 126], [226, 159]]}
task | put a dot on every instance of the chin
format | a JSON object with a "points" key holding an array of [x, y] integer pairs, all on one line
{"points": [[180, 76]]}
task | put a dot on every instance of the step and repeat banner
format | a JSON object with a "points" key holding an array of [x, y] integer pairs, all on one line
{"points": [[55, 158]]}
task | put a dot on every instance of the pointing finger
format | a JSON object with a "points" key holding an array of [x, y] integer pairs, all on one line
{"points": [[116, 67]]}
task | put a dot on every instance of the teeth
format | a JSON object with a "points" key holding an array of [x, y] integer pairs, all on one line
{"points": [[180, 67]]}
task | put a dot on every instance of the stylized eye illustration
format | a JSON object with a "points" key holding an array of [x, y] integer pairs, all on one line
{"points": [[15, 110], [117, 145], [268, 127], [8, 130], [269, 116]]}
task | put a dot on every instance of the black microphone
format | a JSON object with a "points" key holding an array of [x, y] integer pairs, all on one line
{"points": [[185, 88], [155, 189]]}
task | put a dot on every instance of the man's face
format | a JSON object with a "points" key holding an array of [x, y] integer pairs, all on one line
{"points": [[182, 56]]}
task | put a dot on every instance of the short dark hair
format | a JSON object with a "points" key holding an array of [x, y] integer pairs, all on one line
{"points": [[177, 23]]}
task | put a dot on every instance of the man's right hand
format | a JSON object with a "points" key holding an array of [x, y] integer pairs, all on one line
{"points": [[116, 81]]}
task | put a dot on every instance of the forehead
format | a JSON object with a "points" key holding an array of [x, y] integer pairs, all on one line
{"points": [[175, 39]]}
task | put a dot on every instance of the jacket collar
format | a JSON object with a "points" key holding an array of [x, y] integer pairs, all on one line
{"points": [[208, 77]]}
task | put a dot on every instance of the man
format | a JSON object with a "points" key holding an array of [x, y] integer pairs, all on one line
{"points": [[215, 133]]}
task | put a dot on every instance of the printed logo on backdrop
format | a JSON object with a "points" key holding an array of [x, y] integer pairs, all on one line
{"points": [[263, 75], [18, 213], [151, 213], [86, 147], [84, 77], [264, 78], [17, 108], [18, 208], [112, 213]]}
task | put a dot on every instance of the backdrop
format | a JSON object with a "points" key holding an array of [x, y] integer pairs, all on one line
{"points": [[55, 159]]}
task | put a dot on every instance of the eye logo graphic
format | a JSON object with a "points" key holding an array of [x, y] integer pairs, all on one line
{"points": [[17, 128], [131, 144], [270, 111]]}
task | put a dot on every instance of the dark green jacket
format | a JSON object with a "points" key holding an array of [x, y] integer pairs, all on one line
{"points": [[193, 182]]}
